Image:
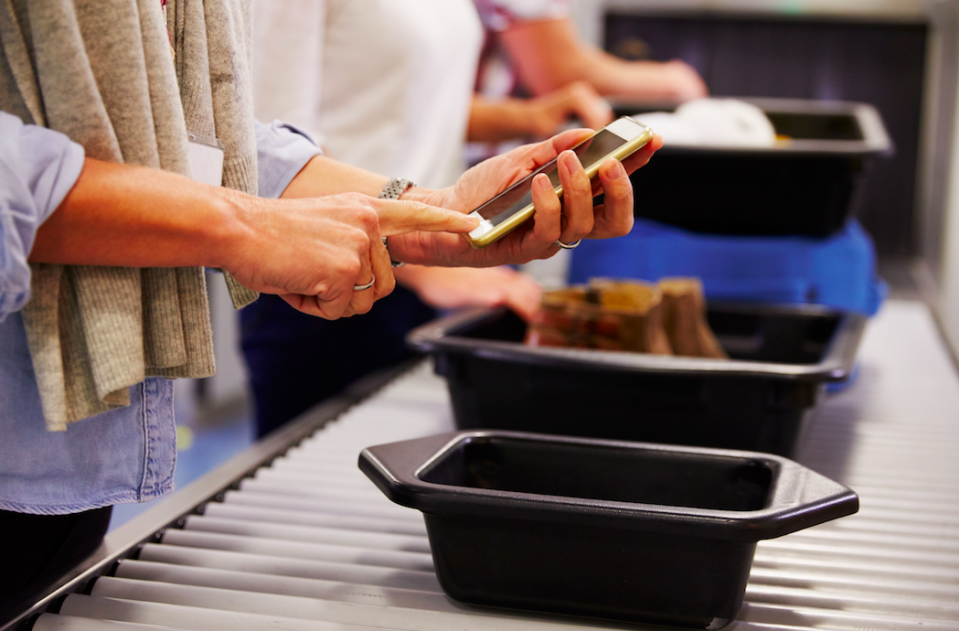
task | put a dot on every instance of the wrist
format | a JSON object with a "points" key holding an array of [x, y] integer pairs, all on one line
{"points": [[417, 194], [505, 119], [231, 229]]}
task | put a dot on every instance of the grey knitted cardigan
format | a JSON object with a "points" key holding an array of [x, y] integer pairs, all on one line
{"points": [[103, 73]]}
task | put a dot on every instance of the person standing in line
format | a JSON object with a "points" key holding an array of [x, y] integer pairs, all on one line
{"points": [[398, 104], [105, 237], [533, 45], [412, 121]]}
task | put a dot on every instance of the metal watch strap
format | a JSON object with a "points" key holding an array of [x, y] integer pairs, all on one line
{"points": [[393, 189]]}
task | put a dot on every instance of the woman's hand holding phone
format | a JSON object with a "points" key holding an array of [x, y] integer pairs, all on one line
{"points": [[568, 219]]}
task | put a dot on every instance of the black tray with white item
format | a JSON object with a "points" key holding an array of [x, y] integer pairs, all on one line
{"points": [[759, 400], [809, 183], [625, 531]]}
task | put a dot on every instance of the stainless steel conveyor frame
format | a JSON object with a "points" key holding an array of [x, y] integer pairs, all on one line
{"points": [[290, 535]]}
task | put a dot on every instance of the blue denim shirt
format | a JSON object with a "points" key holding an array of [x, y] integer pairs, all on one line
{"points": [[124, 455]]}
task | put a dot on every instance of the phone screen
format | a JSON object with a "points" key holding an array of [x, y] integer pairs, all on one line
{"points": [[520, 195]]}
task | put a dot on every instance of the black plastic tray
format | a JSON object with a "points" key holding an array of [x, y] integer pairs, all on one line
{"points": [[809, 185], [759, 400], [625, 531]]}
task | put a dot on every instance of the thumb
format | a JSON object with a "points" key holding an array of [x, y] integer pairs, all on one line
{"points": [[400, 217]]}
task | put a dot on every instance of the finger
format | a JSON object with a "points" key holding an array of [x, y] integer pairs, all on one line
{"points": [[547, 219], [531, 157], [361, 300], [618, 203], [641, 157], [400, 217], [314, 306], [590, 107], [577, 198], [635, 161], [333, 299], [594, 113], [380, 260]]}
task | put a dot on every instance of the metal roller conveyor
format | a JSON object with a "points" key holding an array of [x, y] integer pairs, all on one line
{"points": [[291, 535]]}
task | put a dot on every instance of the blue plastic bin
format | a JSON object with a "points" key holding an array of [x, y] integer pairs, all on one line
{"points": [[838, 271]]}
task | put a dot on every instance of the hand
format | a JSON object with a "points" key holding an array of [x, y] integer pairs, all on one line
{"points": [[683, 81], [311, 252], [569, 220], [670, 81], [455, 287], [548, 113]]}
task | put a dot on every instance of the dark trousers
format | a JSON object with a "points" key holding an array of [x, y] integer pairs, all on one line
{"points": [[295, 361], [38, 550]]}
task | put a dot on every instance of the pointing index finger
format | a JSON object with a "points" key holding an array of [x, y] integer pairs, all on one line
{"points": [[400, 217]]}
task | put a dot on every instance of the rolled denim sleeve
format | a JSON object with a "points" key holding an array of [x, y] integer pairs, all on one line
{"points": [[282, 151], [38, 167]]}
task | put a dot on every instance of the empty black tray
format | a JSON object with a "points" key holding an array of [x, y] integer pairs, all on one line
{"points": [[809, 185], [781, 358], [625, 531]]}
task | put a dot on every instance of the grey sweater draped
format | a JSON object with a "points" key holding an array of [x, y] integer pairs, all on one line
{"points": [[103, 73]]}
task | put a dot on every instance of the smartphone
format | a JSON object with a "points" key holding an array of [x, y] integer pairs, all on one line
{"points": [[505, 212]]}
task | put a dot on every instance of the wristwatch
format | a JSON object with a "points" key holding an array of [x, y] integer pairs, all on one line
{"points": [[393, 189]]}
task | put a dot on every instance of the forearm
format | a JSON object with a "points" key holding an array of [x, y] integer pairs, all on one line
{"points": [[611, 75], [128, 216], [643, 80], [608, 74], [549, 54], [502, 119], [311, 252], [322, 176]]}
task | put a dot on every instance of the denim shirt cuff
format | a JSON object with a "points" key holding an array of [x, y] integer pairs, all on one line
{"points": [[282, 152]]}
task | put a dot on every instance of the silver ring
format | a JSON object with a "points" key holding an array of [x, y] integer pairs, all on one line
{"points": [[366, 286], [393, 263], [569, 246]]}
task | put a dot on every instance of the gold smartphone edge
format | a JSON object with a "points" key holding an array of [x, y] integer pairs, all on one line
{"points": [[513, 222]]}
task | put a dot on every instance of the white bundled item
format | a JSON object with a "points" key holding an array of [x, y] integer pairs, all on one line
{"points": [[715, 123]]}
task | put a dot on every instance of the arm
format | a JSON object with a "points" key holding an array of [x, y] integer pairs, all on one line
{"points": [[130, 216], [325, 176], [440, 287], [312, 251], [309, 251], [549, 54], [495, 120], [184, 222], [291, 166]]}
